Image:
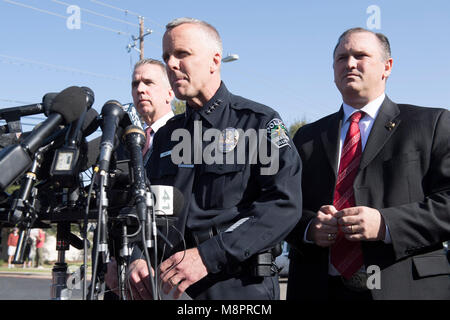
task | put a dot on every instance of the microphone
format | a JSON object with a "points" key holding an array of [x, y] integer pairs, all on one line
{"points": [[83, 127], [90, 97], [133, 115], [66, 107], [93, 146], [68, 159], [134, 138], [29, 109], [47, 101], [112, 114], [168, 200]]}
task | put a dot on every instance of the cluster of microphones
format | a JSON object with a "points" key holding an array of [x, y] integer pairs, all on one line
{"points": [[48, 165]]}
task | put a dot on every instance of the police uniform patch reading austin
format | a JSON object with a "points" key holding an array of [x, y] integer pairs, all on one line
{"points": [[228, 140], [277, 133]]}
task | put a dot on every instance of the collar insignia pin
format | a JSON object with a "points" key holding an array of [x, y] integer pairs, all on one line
{"points": [[390, 125]]}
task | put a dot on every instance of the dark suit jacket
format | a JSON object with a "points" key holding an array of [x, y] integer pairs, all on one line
{"points": [[405, 174]]}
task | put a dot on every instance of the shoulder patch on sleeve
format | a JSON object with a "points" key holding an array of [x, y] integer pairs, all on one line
{"points": [[277, 133]]}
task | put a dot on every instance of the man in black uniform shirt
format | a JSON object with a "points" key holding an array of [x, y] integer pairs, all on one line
{"points": [[238, 204]]}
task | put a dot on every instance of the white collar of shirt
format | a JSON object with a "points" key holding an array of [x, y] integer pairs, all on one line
{"points": [[161, 121], [371, 109], [365, 125]]}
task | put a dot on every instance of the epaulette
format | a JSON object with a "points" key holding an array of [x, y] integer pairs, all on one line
{"points": [[241, 103]]}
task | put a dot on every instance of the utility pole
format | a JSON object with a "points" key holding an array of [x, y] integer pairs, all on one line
{"points": [[141, 37], [142, 34]]}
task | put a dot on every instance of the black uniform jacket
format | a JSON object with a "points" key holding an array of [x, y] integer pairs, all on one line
{"points": [[405, 174], [243, 209]]}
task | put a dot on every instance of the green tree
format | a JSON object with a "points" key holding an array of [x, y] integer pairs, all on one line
{"points": [[295, 126], [178, 106]]}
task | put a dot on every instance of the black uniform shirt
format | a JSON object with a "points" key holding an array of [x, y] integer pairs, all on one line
{"points": [[245, 204]]}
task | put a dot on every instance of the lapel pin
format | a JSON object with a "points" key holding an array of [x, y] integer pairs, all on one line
{"points": [[390, 125]]}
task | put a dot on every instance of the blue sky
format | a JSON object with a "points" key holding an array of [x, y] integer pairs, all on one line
{"points": [[285, 48]]}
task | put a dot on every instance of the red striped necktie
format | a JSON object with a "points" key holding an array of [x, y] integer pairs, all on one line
{"points": [[148, 135], [346, 256]]}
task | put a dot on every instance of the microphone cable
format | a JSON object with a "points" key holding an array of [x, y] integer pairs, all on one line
{"points": [[85, 233]]}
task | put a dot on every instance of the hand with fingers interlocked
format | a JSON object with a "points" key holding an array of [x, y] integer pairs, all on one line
{"points": [[324, 227], [356, 223]]}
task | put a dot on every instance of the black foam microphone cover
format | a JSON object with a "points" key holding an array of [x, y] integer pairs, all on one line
{"points": [[91, 122], [90, 97], [70, 104], [47, 101]]}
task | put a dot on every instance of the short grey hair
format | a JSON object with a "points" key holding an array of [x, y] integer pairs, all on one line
{"points": [[384, 41], [153, 62], [210, 31]]}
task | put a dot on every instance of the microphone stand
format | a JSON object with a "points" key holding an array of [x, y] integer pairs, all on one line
{"points": [[64, 239], [135, 139], [122, 248], [22, 211], [101, 244]]}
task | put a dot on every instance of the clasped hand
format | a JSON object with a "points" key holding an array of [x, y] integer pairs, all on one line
{"points": [[356, 224]]}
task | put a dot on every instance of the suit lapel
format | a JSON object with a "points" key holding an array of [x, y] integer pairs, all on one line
{"points": [[330, 139], [384, 126]]}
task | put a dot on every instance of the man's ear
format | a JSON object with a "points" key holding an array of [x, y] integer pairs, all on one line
{"points": [[216, 62], [170, 96], [387, 68]]}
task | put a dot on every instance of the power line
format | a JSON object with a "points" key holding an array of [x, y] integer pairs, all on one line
{"points": [[125, 11], [61, 68], [98, 14], [115, 8], [65, 17], [15, 101]]}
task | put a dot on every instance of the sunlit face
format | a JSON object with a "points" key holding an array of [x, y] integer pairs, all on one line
{"points": [[191, 62], [360, 68], [151, 92]]}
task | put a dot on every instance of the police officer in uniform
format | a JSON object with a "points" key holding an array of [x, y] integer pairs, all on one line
{"points": [[238, 203]]}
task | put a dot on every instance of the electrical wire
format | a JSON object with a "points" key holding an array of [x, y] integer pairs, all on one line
{"points": [[97, 14], [126, 12], [85, 234], [65, 17], [62, 68]]}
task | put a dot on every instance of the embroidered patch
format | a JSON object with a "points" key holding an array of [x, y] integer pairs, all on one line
{"points": [[228, 140], [277, 133]]}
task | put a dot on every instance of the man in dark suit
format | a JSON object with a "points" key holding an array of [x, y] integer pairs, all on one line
{"points": [[376, 189]]}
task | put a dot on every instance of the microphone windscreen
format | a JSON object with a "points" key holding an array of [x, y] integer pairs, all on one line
{"points": [[90, 97], [47, 101], [70, 104], [133, 115], [92, 153], [91, 122]]}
